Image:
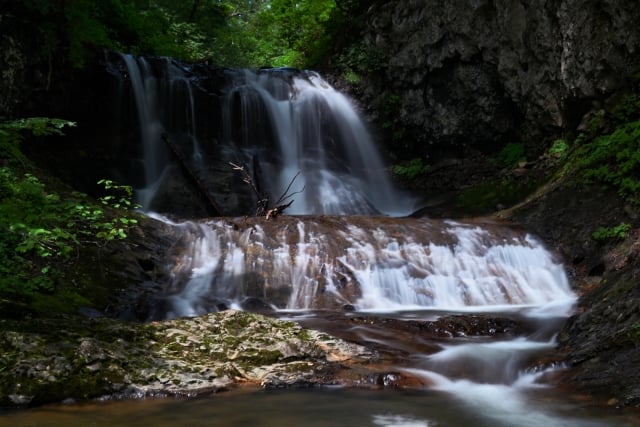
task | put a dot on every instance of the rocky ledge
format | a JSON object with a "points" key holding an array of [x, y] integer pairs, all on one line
{"points": [[50, 360]]}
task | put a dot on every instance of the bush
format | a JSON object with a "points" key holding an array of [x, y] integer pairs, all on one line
{"points": [[39, 228], [614, 159], [559, 148], [413, 169], [618, 232], [511, 155]]}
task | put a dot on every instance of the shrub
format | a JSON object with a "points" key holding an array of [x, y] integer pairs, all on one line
{"points": [[620, 231], [559, 148], [413, 169], [614, 159], [511, 155], [39, 228]]}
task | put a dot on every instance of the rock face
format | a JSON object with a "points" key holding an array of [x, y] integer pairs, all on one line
{"points": [[478, 74]]}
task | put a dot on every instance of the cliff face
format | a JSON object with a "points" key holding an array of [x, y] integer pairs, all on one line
{"points": [[482, 73]]}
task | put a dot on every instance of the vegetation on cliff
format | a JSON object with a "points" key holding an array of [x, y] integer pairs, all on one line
{"points": [[42, 230]]}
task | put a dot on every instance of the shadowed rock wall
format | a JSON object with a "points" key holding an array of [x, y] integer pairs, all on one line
{"points": [[481, 73]]}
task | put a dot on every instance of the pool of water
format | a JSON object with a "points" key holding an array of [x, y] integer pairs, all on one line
{"points": [[322, 407]]}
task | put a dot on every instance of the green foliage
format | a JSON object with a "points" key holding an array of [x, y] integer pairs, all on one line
{"points": [[620, 231], [360, 60], [608, 150], [390, 113], [40, 230], [559, 148], [627, 110], [613, 159], [633, 332], [227, 32], [413, 169], [288, 32], [120, 198], [12, 133], [489, 195], [511, 155]]}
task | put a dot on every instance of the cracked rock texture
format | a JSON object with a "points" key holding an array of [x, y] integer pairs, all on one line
{"points": [[476, 74], [50, 360]]}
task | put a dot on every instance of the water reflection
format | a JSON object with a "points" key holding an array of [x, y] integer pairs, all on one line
{"points": [[310, 408]]}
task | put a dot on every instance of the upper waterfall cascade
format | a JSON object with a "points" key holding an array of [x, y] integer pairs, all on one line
{"points": [[290, 128]]}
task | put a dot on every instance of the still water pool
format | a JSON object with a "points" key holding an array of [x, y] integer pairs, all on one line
{"points": [[320, 408]]}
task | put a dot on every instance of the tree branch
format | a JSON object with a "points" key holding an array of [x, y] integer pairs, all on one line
{"points": [[263, 200]]}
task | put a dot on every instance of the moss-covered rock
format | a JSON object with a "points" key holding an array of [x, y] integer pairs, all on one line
{"points": [[49, 360]]}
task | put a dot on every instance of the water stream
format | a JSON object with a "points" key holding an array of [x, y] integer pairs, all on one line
{"points": [[303, 267]]}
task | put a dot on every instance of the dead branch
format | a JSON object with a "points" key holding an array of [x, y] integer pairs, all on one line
{"points": [[263, 200], [284, 196], [272, 213]]}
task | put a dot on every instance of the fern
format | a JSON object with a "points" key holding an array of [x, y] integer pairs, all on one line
{"points": [[614, 159]]}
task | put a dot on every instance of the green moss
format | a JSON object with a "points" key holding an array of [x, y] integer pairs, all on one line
{"points": [[511, 154], [64, 301], [487, 196], [413, 169], [256, 357], [304, 335]]}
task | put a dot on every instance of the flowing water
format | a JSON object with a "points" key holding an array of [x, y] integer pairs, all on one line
{"points": [[321, 270], [289, 128]]}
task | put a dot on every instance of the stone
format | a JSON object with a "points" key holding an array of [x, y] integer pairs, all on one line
{"points": [[473, 73]]}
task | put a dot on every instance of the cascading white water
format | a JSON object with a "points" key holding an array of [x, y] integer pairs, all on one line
{"points": [[392, 266], [319, 135], [400, 265], [145, 95], [162, 103]]}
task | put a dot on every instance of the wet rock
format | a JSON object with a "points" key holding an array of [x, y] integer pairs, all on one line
{"points": [[81, 358], [256, 305], [600, 342]]}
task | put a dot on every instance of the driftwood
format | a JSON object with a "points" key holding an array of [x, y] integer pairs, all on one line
{"points": [[202, 189], [272, 213], [262, 208]]}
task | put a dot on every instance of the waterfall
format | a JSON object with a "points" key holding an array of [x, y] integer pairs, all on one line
{"points": [[293, 132], [364, 262], [318, 134], [290, 128]]}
